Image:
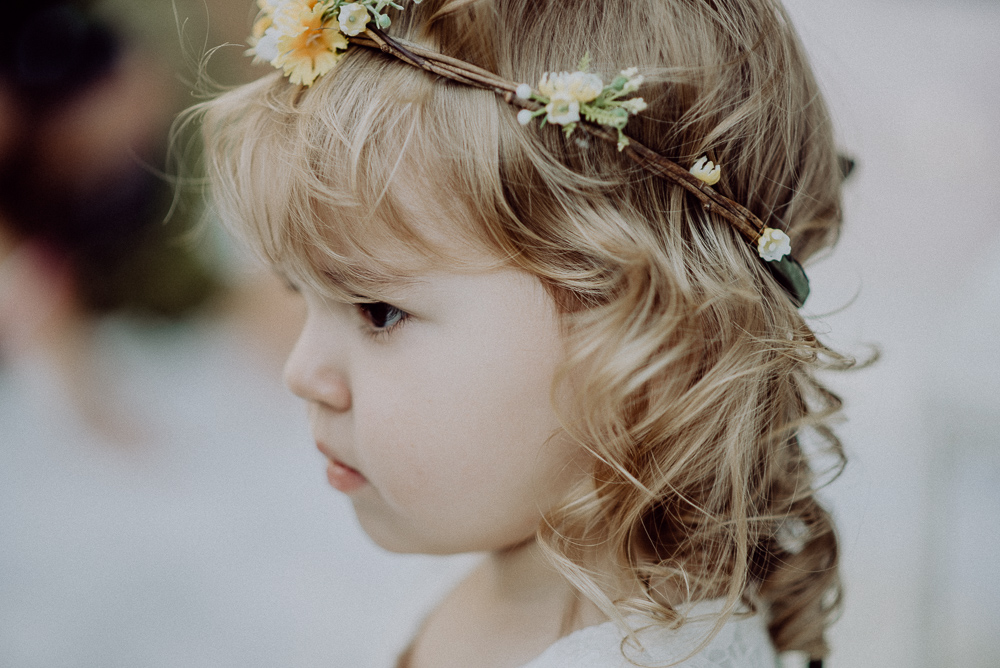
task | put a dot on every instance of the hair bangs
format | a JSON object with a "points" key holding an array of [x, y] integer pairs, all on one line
{"points": [[363, 202]]}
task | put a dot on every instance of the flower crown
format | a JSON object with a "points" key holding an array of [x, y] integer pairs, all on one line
{"points": [[306, 38]]}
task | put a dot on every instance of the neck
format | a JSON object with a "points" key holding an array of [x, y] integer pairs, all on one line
{"points": [[507, 612], [520, 572], [522, 577]]}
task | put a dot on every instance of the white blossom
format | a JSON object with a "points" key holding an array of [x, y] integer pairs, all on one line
{"points": [[630, 72], [792, 535], [353, 19], [562, 109], [773, 245], [524, 116], [707, 171], [523, 91]]}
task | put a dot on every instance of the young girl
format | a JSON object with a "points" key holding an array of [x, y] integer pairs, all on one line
{"points": [[536, 328]]}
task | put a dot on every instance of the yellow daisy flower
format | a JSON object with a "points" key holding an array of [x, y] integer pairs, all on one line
{"points": [[308, 47]]}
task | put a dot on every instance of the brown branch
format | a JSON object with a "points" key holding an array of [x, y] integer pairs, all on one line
{"points": [[745, 222]]}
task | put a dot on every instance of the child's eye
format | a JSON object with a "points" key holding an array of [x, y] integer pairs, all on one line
{"points": [[380, 316]]}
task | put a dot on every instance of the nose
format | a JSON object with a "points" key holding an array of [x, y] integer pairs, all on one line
{"points": [[315, 369]]}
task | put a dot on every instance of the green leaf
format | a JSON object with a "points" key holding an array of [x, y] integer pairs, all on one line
{"points": [[584, 63], [614, 117], [789, 274]]}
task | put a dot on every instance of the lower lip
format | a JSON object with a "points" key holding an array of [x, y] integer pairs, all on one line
{"points": [[343, 478]]}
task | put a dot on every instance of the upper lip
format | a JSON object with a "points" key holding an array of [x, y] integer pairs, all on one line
{"points": [[331, 455]]}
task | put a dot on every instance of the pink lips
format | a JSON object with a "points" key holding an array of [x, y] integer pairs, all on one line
{"points": [[341, 476]]}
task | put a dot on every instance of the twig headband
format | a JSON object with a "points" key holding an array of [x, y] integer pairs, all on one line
{"points": [[306, 39]]}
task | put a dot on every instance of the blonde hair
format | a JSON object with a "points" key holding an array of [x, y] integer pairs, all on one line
{"points": [[693, 372]]}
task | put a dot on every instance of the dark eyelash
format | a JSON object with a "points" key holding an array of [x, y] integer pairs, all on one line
{"points": [[381, 318]]}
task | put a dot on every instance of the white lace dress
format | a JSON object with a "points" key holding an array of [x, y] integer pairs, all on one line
{"points": [[742, 643]]}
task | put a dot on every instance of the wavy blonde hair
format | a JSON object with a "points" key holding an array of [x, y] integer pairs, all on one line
{"points": [[693, 373]]}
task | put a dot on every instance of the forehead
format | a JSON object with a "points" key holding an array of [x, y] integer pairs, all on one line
{"points": [[415, 232]]}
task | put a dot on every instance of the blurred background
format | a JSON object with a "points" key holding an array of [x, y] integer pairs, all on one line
{"points": [[161, 501]]}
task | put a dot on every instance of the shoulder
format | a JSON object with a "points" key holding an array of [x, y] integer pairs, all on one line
{"points": [[741, 643]]}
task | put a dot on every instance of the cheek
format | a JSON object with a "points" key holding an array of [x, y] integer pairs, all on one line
{"points": [[460, 437]]}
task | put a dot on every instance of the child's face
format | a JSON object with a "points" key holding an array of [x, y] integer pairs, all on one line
{"points": [[444, 413]]}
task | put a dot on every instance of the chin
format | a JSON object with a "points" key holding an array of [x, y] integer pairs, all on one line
{"points": [[395, 539], [413, 541]]}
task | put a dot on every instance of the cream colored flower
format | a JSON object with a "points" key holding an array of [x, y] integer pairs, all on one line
{"points": [[584, 87], [707, 171], [562, 109], [580, 86], [353, 19], [773, 244], [307, 46], [551, 83]]}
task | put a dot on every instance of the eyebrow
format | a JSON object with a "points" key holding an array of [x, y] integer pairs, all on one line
{"points": [[367, 280]]}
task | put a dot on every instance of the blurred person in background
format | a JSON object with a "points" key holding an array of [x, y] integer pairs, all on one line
{"points": [[81, 230], [152, 511]]}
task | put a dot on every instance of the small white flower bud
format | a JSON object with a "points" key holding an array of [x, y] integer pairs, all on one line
{"points": [[524, 91], [633, 84], [707, 171], [634, 105], [524, 116], [773, 245]]}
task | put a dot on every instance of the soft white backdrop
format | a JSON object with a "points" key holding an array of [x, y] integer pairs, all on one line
{"points": [[915, 91]]}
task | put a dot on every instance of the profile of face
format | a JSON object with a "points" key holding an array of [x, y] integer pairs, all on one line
{"points": [[433, 406]]}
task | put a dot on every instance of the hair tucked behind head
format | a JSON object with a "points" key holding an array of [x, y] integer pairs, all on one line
{"points": [[692, 371]]}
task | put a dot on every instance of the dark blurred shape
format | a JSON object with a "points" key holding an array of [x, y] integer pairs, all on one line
{"points": [[846, 164], [72, 176], [53, 49]]}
